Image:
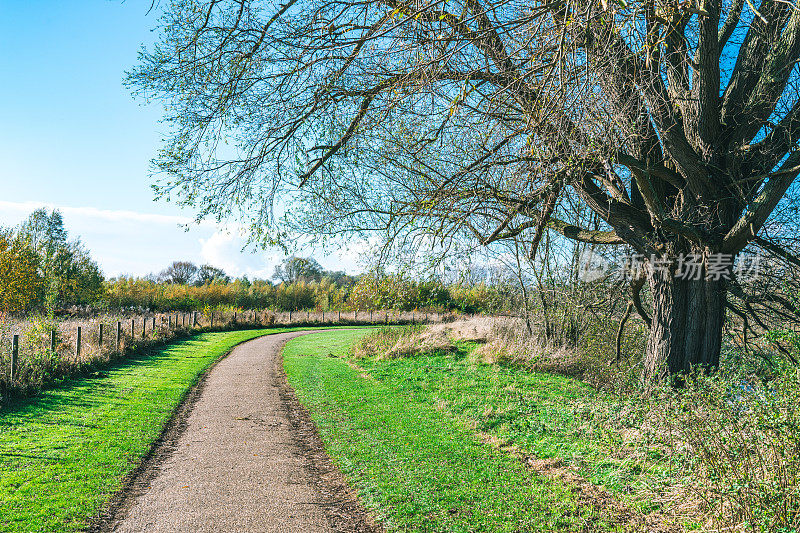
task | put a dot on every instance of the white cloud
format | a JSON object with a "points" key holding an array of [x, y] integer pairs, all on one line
{"points": [[223, 249], [108, 215], [131, 242]]}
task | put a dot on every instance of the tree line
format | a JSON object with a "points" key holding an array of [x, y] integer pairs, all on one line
{"points": [[371, 291], [43, 270]]}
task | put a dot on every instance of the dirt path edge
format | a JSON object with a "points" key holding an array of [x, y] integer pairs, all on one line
{"points": [[344, 510]]}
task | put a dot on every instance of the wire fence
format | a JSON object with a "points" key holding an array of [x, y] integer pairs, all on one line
{"points": [[40, 350]]}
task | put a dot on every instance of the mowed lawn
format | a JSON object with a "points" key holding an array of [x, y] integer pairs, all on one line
{"points": [[414, 463], [64, 452]]}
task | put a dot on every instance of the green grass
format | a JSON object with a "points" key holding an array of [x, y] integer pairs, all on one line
{"points": [[539, 413], [64, 452], [413, 460]]}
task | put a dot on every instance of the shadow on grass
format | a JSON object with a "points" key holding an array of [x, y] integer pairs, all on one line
{"points": [[67, 391]]}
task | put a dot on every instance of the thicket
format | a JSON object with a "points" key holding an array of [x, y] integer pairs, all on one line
{"points": [[41, 268], [367, 292]]}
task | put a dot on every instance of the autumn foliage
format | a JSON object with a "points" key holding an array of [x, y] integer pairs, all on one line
{"points": [[21, 284]]}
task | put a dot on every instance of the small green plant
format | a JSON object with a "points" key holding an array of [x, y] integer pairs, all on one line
{"points": [[742, 438]]}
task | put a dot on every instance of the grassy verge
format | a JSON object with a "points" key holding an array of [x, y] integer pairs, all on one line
{"points": [[64, 452], [540, 414], [413, 461]]}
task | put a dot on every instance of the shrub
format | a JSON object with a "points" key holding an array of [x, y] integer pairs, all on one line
{"points": [[743, 442], [401, 341]]}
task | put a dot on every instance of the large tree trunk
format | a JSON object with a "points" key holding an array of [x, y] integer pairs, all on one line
{"points": [[686, 325]]}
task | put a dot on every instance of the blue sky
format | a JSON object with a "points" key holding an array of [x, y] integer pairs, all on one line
{"points": [[72, 137]]}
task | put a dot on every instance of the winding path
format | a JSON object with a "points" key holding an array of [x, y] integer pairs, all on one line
{"points": [[240, 460]]}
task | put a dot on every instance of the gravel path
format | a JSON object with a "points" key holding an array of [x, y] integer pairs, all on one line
{"points": [[243, 458]]}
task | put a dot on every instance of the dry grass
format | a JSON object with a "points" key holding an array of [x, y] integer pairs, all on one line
{"points": [[730, 446], [39, 364], [408, 341], [507, 340]]}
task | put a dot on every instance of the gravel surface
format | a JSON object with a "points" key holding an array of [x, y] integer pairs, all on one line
{"points": [[240, 456]]}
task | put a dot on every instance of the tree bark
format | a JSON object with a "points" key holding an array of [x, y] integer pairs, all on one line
{"points": [[686, 325]]}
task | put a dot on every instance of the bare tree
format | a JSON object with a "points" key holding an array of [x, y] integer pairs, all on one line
{"points": [[294, 269], [676, 123], [179, 273]]}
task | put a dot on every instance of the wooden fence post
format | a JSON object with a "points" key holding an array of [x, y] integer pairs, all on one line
{"points": [[119, 333], [14, 357], [78, 345], [52, 341], [100, 335]]}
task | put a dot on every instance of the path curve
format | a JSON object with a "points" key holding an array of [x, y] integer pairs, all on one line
{"points": [[245, 458]]}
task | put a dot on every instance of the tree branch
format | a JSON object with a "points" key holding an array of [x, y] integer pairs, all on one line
{"points": [[759, 210]]}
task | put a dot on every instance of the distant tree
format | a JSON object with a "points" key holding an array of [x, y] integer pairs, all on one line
{"points": [[21, 284], [179, 273], [295, 269], [341, 278], [210, 274], [69, 274], [75, 277], [46, 234]]}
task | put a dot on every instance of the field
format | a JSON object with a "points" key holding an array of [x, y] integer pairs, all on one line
{"points": [[429, 428]]}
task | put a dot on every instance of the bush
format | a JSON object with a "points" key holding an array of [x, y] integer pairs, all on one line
{"points": [[743, 442], [406, 341]]}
